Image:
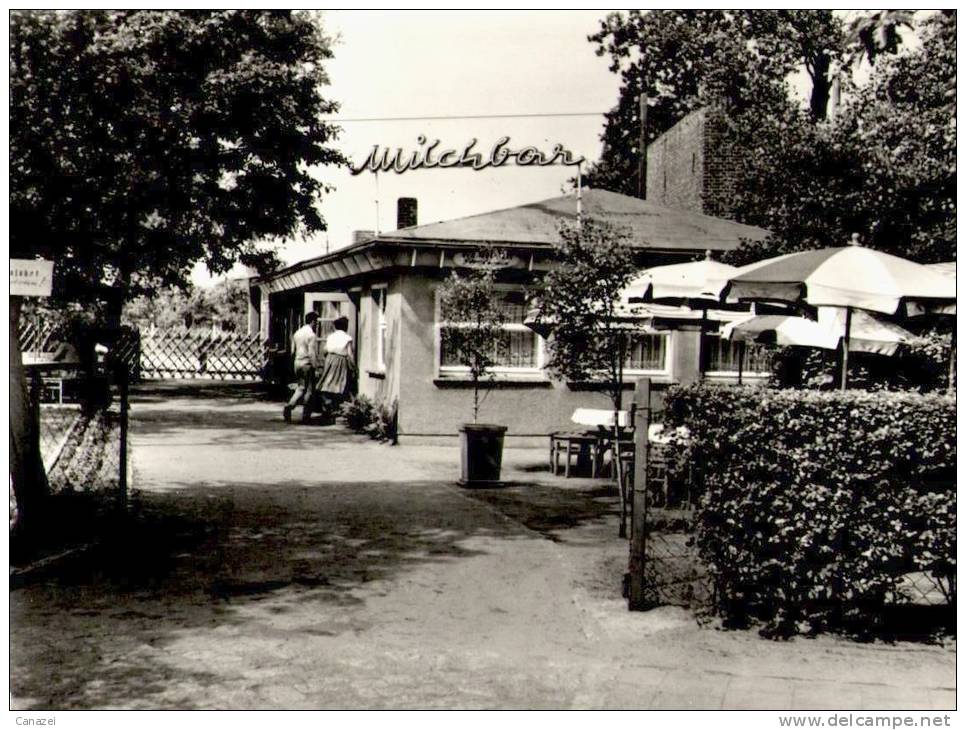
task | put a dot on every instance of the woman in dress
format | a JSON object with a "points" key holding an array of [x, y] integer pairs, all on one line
{"points": [[335, 378]]}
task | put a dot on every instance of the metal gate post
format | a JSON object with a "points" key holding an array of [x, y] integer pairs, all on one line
{"points": [[637, 592]]}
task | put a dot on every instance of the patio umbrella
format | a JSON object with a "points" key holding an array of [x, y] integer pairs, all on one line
{"points": [[787, 330], [693, 281], [696, 284], [913, 309], [851, 277], [868, 334]]}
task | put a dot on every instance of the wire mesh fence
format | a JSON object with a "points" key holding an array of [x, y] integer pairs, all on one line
{"points": [[674, 575]]}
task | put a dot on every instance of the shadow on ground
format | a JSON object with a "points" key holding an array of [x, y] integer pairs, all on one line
{"points": [[159, 391], [196, 557], [553, 510], [92, 632]]}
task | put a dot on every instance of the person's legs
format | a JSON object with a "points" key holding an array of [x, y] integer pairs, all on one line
{"points": [[302, 391], [308, 385]]}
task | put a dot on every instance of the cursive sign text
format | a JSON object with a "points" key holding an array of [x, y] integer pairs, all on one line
{"points": [[429, 156]]}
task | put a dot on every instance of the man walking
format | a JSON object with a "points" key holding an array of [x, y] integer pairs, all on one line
{"points": [[306, 351]]}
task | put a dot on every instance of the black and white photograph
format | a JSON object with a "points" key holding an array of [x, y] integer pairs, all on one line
{"points": [[482, 360]]}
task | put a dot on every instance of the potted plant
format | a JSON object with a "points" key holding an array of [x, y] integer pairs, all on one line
{"points": [[473, 336]]}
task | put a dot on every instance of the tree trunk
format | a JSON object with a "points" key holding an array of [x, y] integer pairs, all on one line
{"points": [[27, 475], [821, 87]]}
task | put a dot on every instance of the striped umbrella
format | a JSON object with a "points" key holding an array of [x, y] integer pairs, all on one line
{"points": [[851, 277]]}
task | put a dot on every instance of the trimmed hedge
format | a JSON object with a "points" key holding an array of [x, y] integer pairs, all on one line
{"points": [[814, 504]]}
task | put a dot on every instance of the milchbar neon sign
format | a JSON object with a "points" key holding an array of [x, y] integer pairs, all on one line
{"points": [[384, 159]]}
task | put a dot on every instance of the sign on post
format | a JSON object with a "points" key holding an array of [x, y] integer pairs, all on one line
{"points": [[31, 277]]}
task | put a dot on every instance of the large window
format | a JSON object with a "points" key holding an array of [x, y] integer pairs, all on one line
{"points": [[723, 356], [520, 349], [647, 353]]}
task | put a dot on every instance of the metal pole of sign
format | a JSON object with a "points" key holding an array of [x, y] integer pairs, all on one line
{"points": [[642, 146], [376, 175]]}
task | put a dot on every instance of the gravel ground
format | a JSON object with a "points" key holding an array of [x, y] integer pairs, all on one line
{"points": [[274, 566]]}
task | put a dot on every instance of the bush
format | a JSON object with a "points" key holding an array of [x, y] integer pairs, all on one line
{"points": [[375, 419], [814, 505]]}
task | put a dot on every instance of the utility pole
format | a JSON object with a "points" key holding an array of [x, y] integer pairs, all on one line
{"points": [[642, 146]]}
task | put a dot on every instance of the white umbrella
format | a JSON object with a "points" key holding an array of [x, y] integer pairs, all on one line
{"points": [[787, 330], [695, 280], [851, 277], [868, 334]]}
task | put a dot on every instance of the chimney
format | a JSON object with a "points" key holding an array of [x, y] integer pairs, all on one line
{"points": [[360, 236], [406, 209]]}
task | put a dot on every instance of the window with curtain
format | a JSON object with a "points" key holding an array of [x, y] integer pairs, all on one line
{"points": [[723, 356], [647, 352], [519, 348]]}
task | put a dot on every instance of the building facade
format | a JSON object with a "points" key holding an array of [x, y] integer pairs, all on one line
{"points": [[387, 287]]}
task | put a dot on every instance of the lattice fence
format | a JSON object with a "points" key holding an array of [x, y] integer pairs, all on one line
{"points": [[186, 354], [38, 335], [42, 336]]}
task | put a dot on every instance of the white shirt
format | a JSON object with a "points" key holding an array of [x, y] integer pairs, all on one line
{"points": [[338, 343], [305, 346]]}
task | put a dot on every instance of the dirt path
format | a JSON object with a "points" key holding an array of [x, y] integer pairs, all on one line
{"points": [[303, 567]]}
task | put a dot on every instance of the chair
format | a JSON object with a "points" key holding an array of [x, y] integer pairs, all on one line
{"points": [[624, 451], [569, 443], [657, 474]]}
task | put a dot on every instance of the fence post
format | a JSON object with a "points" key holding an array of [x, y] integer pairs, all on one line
{"points": [[122, 447], [637, 590]]}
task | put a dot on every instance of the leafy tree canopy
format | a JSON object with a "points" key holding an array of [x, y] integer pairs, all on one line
{"points": [[885, 167], [685, 59], [144, 141], [224, 306]]}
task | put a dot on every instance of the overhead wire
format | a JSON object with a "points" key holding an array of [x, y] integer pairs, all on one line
{"points": [[444, 117]]}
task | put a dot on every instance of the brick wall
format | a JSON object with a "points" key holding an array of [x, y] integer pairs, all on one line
{"points": [[675, 165], [720, 177], [690, 166]]}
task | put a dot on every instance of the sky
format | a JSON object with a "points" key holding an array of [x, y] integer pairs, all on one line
{"points": [[413, 63]]}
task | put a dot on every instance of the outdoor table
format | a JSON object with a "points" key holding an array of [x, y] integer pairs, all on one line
{"points": [[599, 417]]}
